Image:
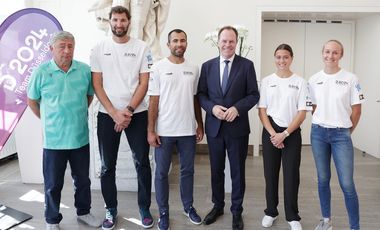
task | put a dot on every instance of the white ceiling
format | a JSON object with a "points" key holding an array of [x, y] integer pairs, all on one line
{"points": [[341, 16]]}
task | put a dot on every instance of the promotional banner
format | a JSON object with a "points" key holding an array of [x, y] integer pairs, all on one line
{"points": [[24, 45]]}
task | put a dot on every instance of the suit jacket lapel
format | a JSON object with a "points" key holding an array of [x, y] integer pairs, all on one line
{"points": [[216, 75]]}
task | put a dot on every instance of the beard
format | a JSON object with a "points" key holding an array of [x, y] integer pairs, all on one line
{"points": [[120, 33], [178, 53]]}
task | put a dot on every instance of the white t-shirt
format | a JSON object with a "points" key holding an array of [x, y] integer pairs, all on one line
{"points": [[176, 84], [120, 65], [284, 97], [334, 94]]}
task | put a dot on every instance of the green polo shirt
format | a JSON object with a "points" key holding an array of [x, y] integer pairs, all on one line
{"points": [[63, 103]]}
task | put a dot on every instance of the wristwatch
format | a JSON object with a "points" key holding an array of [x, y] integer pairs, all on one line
{"points": [[130, 108], [286, 133]]}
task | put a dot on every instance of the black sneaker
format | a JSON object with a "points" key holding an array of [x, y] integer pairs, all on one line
{"points": [[193, 215]]}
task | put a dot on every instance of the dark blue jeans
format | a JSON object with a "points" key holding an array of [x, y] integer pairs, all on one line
{"points": [[54, 167], [109, 141], [163, 155]]}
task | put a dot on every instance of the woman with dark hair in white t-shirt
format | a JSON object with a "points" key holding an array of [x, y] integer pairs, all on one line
{"points": [[284, 101], [336, 96]]}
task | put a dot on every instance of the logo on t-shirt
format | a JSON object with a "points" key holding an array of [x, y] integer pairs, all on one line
{"points": [[358, 88], [107, 54], [130, 55], [149, 59], [341, 83], [169, 73], [294, 87], [272, 86], [188, 73], [361, 97], [320, 83]]}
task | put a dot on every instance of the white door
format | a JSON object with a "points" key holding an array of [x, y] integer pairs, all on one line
{"points": [[306, 40], [367, 134]]}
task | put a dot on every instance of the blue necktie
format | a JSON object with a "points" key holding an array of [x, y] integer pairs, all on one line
{"points": [[225, 77]]}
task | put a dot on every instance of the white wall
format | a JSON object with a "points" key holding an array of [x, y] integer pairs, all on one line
{"points": [[367, 134], [8, 7]]}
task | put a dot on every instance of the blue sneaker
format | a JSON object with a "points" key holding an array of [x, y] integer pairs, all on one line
{"points": [[193, 215], [146, 218], [110, 221], [163, 222]]}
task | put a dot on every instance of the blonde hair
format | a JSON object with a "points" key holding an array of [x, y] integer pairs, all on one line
{"points": [[337, 42]]}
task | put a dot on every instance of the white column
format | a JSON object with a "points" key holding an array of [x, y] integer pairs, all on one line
{"points": [[126, 176], [28, 135]]}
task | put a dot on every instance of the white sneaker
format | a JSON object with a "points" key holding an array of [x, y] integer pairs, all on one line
{"points": [[323, 225], [295, 225], [52, 226], [268, 221], [90, 220]]}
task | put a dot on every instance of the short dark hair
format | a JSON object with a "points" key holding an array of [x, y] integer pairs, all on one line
{"points": [[228, 28], [120, 10], [176, 31], [284, 47]]}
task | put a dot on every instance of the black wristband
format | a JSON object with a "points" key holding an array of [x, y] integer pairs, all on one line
{"points": [[131, 109]]}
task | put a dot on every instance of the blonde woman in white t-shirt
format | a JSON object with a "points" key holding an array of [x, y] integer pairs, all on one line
{"points": [[284, 101], [336, 96]]}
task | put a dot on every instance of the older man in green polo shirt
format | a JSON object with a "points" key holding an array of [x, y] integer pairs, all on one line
{"points": [[59, 93]]}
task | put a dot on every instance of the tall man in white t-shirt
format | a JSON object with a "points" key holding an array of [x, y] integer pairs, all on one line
{"points": [[173, 121], [120, 71]]}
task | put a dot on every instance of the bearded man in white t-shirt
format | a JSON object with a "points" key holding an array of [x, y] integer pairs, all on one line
{"points": [[174, 119], [120, 72]]}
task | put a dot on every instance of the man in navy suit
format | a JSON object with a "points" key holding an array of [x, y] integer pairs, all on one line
{"points": [[227, 90]]}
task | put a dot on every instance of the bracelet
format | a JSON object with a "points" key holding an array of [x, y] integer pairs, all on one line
{"points": [[286, 133], [130, 108]]}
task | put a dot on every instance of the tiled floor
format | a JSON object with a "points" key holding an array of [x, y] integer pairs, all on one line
{"points": [[29, 198]]}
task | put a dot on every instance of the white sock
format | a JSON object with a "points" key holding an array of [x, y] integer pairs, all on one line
{"points": [[326, 220]]}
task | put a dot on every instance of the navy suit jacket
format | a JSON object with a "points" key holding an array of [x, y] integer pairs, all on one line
{"points": [[242, 92]]}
